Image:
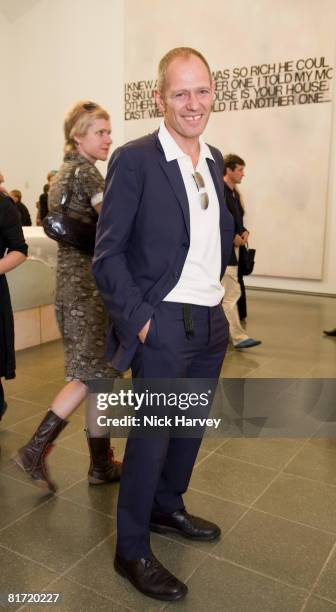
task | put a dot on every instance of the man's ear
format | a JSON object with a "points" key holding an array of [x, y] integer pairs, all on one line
{"points": [[159, 101]]}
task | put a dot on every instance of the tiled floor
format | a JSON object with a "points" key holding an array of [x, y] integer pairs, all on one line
{"points": [[274, 499]]}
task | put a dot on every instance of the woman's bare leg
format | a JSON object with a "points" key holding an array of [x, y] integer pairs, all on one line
{"points": [[69, 398]]}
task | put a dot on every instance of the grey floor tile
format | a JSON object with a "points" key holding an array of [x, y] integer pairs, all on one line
{"points": [[230, 479], [326, 586], [301, 500], [10, 441], [78, 442], [213, 443], [325, 437], [323, 371], [250, 360], [75, 441], [40, 354], [235, 370], [57, 534], [282, 369], [223, 513], [20, 575], [46, 371], [269, 452], [41, 394], [316, 462], [22, 383], [281, 549], [294, 347], [218, 586], [27, 426], [97, 571], [102, 498], [202, 454], [17, 411], [16, 498], [315, 604], [75, 597]]}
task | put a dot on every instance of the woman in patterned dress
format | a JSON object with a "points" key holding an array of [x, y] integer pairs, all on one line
{"points": [[80, 312]]}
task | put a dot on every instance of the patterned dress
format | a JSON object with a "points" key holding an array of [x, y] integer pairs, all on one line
{"points": [[81, 314]]}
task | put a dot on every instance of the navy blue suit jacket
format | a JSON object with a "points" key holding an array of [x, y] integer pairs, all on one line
{"points": [[143, 237]]}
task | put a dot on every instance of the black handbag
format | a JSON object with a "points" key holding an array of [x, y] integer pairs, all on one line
{"points": [[67, 230], [246, 260]]}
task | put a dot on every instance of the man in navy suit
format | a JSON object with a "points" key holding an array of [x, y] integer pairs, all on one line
{"points": [[164, 238]]}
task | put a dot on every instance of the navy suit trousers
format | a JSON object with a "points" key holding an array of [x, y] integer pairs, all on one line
{"points": [[157, 470]]}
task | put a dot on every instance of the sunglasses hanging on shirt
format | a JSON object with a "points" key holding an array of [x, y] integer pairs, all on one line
{"points": [[200, 184]]}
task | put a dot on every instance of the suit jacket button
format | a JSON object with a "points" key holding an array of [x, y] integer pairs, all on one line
{"points": [[177, 275]]}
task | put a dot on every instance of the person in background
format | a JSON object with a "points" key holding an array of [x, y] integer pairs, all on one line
{"points": [[16, 196], [13, 252], [2, 184], [234, 173], [42, 204], [80, 312], [331, 332]]}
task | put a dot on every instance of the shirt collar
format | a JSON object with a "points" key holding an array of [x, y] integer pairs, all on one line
{"points": [[173, 151]]}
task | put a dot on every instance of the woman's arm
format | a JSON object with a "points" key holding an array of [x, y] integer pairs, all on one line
{"points": [[11, 261], [11, 236]]}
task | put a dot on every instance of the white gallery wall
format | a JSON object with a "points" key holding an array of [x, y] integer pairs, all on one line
{"points": [[6, 93], [274, 71], [59, 52]]}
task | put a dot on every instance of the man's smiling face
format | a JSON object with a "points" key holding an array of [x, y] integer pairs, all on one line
{"points": [[187, 98]]}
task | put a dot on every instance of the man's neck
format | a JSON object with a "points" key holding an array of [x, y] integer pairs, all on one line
{"points": [[229, 183], [189, 146]]}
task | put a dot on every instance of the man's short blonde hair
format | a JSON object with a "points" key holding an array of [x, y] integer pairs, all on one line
{"points": [[78, 120], [170, 56]]}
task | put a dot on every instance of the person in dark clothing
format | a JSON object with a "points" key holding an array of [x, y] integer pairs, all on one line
{"points": [[13, 252], [16, 196], [164, 238], [331, 332], [42, 203], [234, 172], [242, 303], [2, 184]]}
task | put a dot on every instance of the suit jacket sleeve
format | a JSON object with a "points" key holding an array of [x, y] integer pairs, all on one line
{"points": [[119, 291]]}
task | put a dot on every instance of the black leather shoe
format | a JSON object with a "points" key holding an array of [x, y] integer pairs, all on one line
{"points": [[151, 578], [331, 332], [185, 524]]}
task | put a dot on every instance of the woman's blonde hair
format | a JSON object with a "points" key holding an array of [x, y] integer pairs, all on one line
{"points": [[78, 119]]}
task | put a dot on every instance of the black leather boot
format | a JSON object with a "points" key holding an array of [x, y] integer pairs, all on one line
{"points": [[31, 457], [103, 467]]}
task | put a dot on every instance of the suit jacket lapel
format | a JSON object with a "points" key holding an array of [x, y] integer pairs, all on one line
{"points": [[218, 182], [174, 176]]}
